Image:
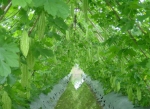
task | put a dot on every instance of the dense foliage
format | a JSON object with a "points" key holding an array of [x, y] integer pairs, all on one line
{"points": [[40, 41]]}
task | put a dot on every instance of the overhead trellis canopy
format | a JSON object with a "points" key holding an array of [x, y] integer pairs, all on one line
{"points": [[40, 41]]}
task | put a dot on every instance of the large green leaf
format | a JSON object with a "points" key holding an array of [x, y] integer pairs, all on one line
{"points": [[8, 58], [58, 23], [11, 79], [11, 59], [2, 79], [22, 3], [56, 8], [4, 69], [1, 55], [38, 3], [12, 47]]}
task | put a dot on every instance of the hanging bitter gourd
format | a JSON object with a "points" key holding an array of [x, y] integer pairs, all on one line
{"points": [[67, 35], [25, 75], [85, 8], [113, 82], [6, 101], [28, 94], [138, 93], [89, 54], [130, 93], [30, 60], [72, 10], [24, 43], [41, 25], [118, 87], [87, 31]]}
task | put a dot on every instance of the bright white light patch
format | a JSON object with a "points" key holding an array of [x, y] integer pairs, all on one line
{"points": [[142, 0], [76, 78], [77, 84]]}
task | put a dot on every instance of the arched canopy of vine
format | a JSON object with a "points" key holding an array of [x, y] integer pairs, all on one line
{"points": [[40, 41]]}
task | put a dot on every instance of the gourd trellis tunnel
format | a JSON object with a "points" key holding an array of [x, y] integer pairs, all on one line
{"points": [[41, 40]]}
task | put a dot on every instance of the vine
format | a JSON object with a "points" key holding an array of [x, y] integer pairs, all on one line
{"points": [[108, 39]]}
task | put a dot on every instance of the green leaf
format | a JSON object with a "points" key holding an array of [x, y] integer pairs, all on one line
{"points": [[11, 59], [5, 2], [55, 35], [127, 26], [58, 23], [11, 47], [4, 69], [61, 24], [8, 58], [22, 3], [28, 1], [1, 12], [143, 17], [45, 52], [8, 54], [2, 80], [50, 7], [11, 79], [56, 8], [2, 50], [148, 64], [38, 3]]}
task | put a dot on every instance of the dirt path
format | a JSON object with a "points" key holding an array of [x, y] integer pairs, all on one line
{"points": [[82, 98]]}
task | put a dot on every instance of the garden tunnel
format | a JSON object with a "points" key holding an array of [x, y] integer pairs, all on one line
{"points": [[41, 40]]}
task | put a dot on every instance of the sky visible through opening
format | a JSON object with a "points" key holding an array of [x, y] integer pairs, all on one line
{"points": [[76, 78]]}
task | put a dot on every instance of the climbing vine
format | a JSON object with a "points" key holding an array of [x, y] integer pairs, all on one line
{"points": [[40, 41]]}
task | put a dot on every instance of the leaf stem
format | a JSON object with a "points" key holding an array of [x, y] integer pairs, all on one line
{"points": [[34, 24], [6, 10]]}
